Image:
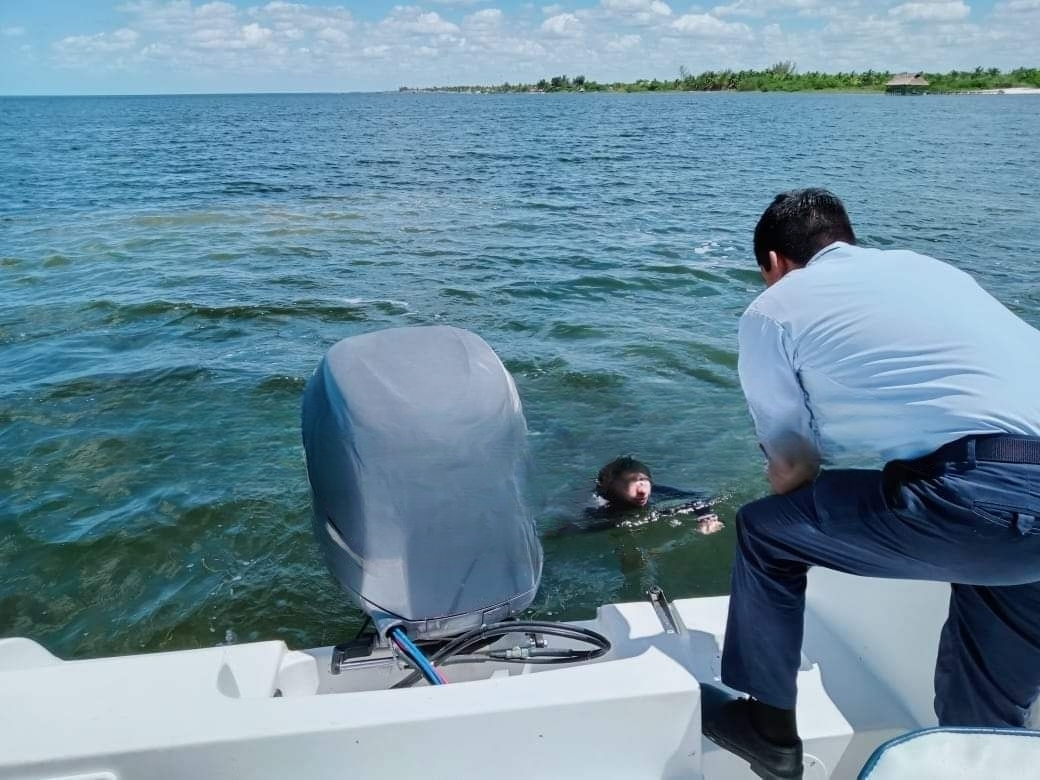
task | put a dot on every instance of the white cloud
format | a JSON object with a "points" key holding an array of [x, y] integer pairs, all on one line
{"points": [[267, 44], [636, 12], [760, 8], [216, 10], [485, 19], [415, 21], [158, 51], [170, 17], [296, 17], [623, 43], [101, 43], [708, 26], [654, 7], [290, 21], [931, 12], [333, 35], [255, 35], [563, 25], [1020, 17]]}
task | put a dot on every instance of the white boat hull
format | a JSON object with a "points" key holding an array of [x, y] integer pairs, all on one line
{"points": [[263, 711]]}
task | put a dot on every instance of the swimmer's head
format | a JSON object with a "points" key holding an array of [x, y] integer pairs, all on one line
{"points": [[625, 482]]}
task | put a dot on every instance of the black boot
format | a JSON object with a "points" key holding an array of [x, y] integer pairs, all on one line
{"points": [[763, 736]]}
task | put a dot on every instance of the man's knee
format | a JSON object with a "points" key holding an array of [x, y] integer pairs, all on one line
{"points": [[771, 528], [761, 519], [755, 527]]}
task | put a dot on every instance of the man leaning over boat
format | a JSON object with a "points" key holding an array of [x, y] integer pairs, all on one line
{"points": [[854, 353]]}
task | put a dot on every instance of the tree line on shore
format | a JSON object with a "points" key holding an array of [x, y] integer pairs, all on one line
{"points": [[781, 77]]}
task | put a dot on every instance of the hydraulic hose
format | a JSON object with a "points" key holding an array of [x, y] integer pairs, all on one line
{"points": [[469, 643]]}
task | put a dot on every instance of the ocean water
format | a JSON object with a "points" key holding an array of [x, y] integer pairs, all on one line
{"points": [[172, 269]]}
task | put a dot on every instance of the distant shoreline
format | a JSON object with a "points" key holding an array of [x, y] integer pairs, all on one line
{"points": [[485, 91], [476, 91], [827, 91], [781, 77]]}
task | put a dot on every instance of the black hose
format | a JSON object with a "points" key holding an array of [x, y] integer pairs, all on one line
{"points": [[484, 635], [367, 622]]}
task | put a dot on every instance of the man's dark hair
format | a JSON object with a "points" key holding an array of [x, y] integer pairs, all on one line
{"points": [[799, 223], [617, 467]]}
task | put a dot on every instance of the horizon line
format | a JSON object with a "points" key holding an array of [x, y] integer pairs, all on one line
{"points": [[196, 94], [449, 87]]}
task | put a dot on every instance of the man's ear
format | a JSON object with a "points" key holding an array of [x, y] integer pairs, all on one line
{"points": [[609, 491], [779, 266]]}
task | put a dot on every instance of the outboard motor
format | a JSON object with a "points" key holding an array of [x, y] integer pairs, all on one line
{"points": [[416, 452]]}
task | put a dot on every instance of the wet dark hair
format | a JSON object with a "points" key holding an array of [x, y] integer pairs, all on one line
{"points": [[623, 465], [799, 223]]}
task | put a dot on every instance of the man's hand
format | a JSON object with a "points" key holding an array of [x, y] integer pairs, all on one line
{"points": [[786, 476], [798, 466]]}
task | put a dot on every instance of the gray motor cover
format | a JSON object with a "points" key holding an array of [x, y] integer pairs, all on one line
{"points": [[416, 449]]}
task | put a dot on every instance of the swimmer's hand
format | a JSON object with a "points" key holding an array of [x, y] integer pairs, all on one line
{"points": [[709, 524]]}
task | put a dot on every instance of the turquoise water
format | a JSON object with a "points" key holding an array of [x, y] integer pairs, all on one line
{"points": [[173, 268]]}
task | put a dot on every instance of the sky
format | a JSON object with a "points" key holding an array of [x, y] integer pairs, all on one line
{"points": [[176, 46]]}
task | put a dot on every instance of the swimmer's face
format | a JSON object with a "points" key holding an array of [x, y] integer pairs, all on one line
{"points": [[632, 488]]}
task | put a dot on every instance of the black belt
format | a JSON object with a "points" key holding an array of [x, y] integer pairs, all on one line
{"points": [[1000, 448]]}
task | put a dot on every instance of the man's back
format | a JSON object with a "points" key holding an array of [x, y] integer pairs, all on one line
{"points": [[897, 353], [857, 352]]}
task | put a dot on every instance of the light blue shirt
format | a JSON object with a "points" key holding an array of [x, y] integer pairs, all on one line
{"points": [[883, 355]]}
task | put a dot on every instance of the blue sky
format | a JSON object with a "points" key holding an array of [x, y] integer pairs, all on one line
{"points": [[159, 46]]}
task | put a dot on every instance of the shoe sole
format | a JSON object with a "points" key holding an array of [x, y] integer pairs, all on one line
{"points": [[759, 769]]}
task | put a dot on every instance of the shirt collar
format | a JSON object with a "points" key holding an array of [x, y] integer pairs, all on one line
{"points": [[826, 250]]}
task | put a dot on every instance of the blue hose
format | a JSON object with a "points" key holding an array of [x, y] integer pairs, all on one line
{"points": [[416, 656]]}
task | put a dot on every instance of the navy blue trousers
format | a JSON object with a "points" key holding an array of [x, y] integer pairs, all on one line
{"points": [[959, 521]]}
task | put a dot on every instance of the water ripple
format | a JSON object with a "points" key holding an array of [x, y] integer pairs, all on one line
{"points": [[173, 269]]}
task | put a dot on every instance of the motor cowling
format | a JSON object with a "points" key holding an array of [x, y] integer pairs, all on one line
{"points": [[416, 451]]}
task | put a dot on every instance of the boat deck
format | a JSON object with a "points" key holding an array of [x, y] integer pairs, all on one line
{"points": [[260, 710]]}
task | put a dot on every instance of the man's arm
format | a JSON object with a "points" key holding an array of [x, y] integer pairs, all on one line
{"points": [[777, 402]]}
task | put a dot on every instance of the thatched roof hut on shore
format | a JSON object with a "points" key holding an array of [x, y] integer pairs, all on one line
{"points": [[907, 84]]}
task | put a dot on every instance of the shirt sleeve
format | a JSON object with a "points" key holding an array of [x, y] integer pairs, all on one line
{"points": [[777, 402]]}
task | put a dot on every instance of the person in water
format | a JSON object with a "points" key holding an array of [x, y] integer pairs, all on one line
{"points": [[627, 503], [625, 486]]}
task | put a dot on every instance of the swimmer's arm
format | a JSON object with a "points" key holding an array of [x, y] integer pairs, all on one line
{"points": [[707, 521], [601, 525], [666, 491], [570, 529]]}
